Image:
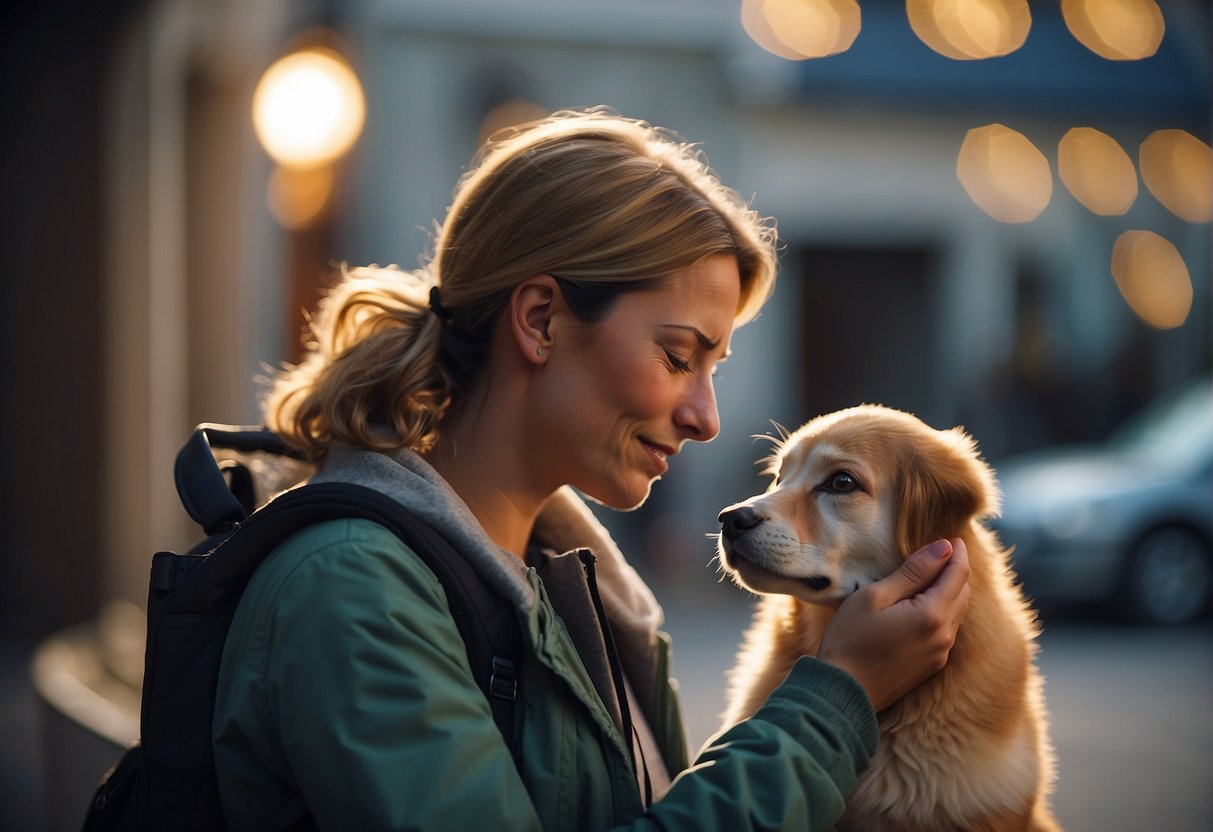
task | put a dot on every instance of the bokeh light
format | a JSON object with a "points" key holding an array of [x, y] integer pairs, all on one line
{"points": [[754, 21], [1178, 169], [1119, 30], [511, 113], [968, 30], [1153, 278], [298, 197], [308, 108], [1097, 171], [801, 29], [1004, 173]]}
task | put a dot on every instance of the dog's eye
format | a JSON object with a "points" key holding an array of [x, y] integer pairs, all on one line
{"points": [[841, 483]]}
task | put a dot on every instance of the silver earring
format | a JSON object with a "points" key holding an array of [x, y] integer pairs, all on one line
{"points": [[538, 351]]}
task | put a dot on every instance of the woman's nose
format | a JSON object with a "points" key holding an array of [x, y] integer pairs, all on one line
{"points": [[697, 414]]}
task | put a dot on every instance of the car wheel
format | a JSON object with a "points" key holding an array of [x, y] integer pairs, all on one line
{"points": [[1169, 574]]}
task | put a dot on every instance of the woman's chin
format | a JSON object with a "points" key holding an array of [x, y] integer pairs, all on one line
{"points": [[625, 499]]}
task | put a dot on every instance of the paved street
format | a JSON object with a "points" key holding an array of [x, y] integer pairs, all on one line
{"points": [[1132, 710]]}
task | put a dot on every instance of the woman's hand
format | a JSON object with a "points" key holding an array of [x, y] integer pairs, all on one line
{"points": [[896, 633]]}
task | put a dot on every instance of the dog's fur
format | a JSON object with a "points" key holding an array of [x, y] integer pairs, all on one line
{"points": [[969, 748]]}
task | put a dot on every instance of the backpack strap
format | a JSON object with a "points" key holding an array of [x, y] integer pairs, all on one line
{"points": [[486, 621]]}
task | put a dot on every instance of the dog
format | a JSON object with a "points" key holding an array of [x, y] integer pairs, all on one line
{"points": [[855, 492]]}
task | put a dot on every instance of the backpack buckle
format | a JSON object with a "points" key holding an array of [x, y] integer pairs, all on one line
{"points": [[503, 683]]}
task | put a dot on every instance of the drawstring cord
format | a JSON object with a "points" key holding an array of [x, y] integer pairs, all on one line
{"points": [[625, 711]]}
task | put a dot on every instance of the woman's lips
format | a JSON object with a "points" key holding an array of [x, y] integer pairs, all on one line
{"points": [[661, 453]]}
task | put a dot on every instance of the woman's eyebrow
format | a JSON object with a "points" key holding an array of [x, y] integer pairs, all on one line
{"points": [[704, 341]]}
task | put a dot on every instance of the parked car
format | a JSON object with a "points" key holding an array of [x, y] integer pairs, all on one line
{"points": [[1128, 523]]}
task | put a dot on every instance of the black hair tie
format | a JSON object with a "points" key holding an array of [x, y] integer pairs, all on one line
{"points": [[436, 306]]}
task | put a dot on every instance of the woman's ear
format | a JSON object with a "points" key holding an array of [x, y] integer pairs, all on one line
{"points": [[533, 303]]}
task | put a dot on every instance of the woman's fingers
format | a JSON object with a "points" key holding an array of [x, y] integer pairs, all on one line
{"points": [[915, 575], [896, 633]]}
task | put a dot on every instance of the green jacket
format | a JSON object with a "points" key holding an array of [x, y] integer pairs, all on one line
{"points": [[345, 680]]}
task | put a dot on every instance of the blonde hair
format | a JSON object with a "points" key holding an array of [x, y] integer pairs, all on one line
{"points": [[604, 203]]}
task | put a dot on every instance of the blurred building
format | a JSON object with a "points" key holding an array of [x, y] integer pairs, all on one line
{"points": [[156, 259]]}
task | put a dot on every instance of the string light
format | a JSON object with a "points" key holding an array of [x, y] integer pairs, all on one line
{"points": [[802, 29], [1178, 169], [1152, 278], [1097, 171], [1004, 173], [967, 30], [1119, 30]]}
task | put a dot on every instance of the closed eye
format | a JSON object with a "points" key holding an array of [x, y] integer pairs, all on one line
{"points": [[679, 365]]}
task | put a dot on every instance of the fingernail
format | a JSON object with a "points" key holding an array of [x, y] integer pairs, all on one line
{"points": [[938, 549]]}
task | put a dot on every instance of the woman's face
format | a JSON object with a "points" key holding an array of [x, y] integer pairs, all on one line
{"points": [[624, 394]]}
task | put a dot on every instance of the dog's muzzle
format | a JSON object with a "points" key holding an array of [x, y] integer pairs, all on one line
{"points": [[735, 524]]}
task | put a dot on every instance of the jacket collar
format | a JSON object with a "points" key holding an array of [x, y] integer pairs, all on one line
{"points": [[564, 523]]}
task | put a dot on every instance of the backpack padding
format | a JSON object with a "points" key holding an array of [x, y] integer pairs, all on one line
{"points": [[205, 492]]}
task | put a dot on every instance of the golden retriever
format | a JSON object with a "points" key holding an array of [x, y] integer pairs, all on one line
{"points": [[854, 493]]}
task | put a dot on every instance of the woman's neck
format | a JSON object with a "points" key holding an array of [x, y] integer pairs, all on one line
{"points": [[481, 460]]}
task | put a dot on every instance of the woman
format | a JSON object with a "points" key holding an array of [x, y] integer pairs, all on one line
{"points": [[583, 287]]}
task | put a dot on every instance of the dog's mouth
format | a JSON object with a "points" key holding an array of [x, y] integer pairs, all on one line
{"points": [[818, 582], [751, 574], [830, 591]]}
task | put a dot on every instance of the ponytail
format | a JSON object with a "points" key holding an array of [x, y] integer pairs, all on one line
{"points": [[372, 375]]}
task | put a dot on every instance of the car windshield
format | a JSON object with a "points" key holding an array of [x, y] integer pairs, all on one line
{"points": [[1176, 429]]}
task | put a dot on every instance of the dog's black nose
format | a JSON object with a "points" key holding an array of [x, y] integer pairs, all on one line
{"points": [[734, 521]]}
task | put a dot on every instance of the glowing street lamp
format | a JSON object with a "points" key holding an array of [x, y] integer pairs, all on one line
{"points": [[308, 108]]}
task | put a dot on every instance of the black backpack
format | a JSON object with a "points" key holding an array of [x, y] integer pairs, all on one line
{"points": [[166, 781]]}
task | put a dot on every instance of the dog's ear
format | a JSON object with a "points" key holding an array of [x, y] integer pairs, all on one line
{"points": [[944, 485]]}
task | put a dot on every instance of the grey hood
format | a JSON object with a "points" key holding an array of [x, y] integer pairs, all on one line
{"points": [[564, 523]]}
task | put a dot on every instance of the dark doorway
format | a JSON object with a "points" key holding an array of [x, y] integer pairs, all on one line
{"points": [[869, 321]]}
